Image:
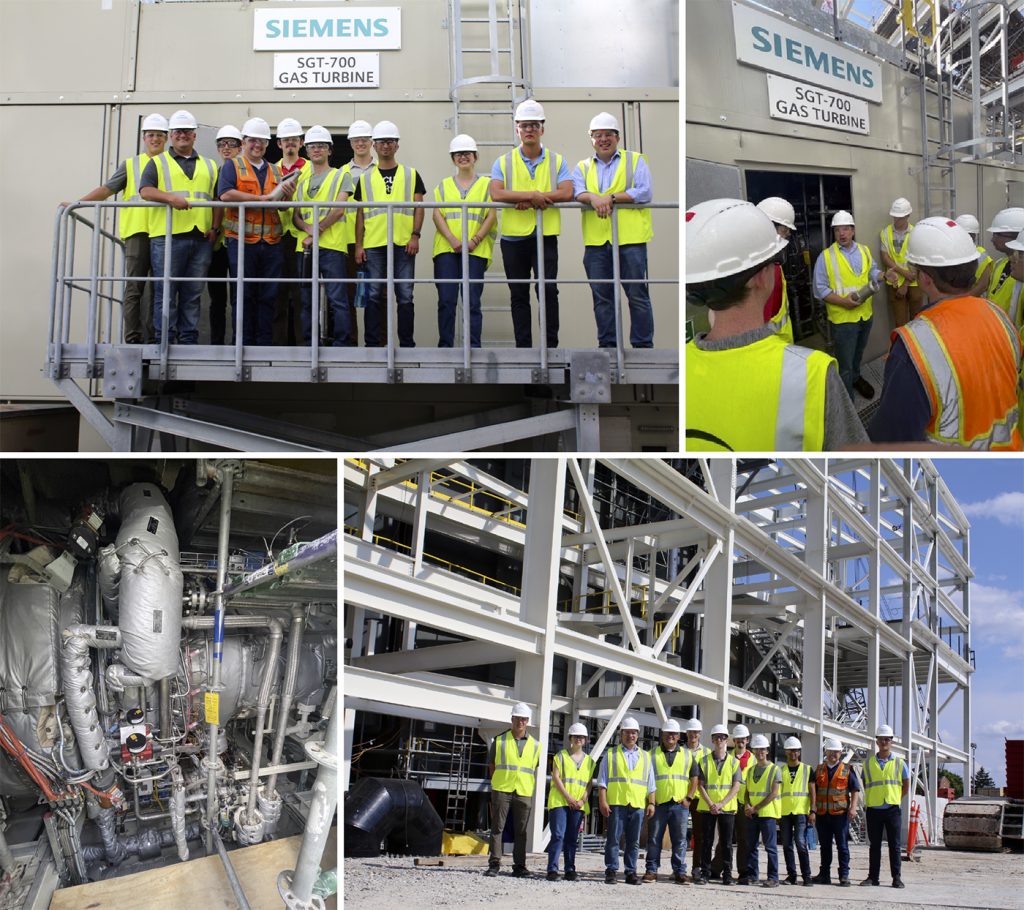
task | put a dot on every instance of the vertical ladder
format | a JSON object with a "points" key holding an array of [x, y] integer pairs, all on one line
{"points": [[938, 152], [458, 779]]}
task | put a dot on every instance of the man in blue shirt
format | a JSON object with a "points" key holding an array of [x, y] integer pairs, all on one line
{"points": [[883, 812]]}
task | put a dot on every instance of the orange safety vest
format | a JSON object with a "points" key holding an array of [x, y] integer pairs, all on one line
{"points": [[833, 798], [260, 223], [967, 354]]}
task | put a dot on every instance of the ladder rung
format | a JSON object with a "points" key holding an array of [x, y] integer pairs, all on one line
{"points": [[479, 20], [485, 50]]}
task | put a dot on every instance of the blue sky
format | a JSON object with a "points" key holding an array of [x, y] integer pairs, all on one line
{"points": [[991, 493]]}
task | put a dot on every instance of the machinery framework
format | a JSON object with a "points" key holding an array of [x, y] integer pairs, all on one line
{"points": [[815, 597]]}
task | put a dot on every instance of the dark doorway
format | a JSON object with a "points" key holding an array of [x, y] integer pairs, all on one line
{"points": [[341, 153]]}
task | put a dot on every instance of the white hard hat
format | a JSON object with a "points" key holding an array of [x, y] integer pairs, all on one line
{"points": [[629, 723], [578, 729], [1018, 243], [969, 223], [462, 143], [288, 128], [360, 129], [1008, 221], [842, 218], [740, 731], [792, 743], [229, 132], [693, 725], [884, 729], [155, 122], [529, 110], [385, 130], [900, 208], [603, 121], [182, 120], [719, 730], [759, 741], [256, 128], [521, 709], [779, 210], [939, 242], [670, 726], [833, 745], [727, 236], [317, 133]]}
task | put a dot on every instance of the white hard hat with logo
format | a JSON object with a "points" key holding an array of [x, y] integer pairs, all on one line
{"points": [[462, 143], [969, 223], [940, 242], [229, 132], [884, 730], [155, 122], [578, 729], [792, 743], [288, 128], [759, 741], [693, 725], [779, 210], [1017, 243], [842, 218], [719, 730], [671, 725], [1008, 221], [833, 745], [182, 120], [604, 121], [629, 723], [740, 731], [727, 236], [521, 709], [385, 130], [360, 129], [529, 110], [317, 133], [256, 128], [900, 208]]}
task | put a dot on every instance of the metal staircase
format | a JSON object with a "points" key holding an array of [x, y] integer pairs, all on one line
{"points": [[781, 664]]}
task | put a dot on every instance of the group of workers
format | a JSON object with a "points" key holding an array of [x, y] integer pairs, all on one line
{"points": [[276, 241], [737, 794], [953, 373]]}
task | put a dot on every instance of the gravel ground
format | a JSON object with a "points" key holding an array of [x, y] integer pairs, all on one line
{"points": [[942, 879]]}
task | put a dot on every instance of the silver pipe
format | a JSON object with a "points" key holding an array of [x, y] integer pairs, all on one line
{"points": [[229, 622], [236, 885], [321, 548], [177, 809], [76, 663], [165, 708], [287, 692], [321, 811], [276, 634]]}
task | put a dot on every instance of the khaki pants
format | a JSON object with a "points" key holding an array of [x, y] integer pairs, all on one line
{"points": [[521, 808], [136, 265]]}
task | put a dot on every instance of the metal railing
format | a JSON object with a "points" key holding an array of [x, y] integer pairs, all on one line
{"points": [[103, 289]]}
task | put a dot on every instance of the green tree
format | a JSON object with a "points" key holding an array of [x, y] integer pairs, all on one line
{"points": [[982, 780], [955, 781]]}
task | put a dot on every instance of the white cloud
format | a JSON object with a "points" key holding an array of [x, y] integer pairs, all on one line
{"points": [[997, 619], [1006, 508], [1011, 729]]}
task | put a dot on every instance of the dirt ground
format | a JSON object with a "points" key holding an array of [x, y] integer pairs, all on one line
{"points": [[941, 879]]}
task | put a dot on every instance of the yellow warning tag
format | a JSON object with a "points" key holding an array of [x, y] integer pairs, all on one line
{"points": [[212, 704]]}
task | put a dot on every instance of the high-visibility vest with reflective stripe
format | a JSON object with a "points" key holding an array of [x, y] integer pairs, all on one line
{"points": [[883, 785], [516, 177], [634, 222], [201, 187], [698, 755], [1004, 291], [758, 787], [719, 783], [334, 237], [515, 773], [843, 279], [888, 236], [574, 779], [768, 396], [627, 786], [350, 219], [138, 220], [984, 261], [448, 191], [781, 320], [832, 793], [260, 223], [796, 793], [968, 357], [375, 216], [672, 782]]}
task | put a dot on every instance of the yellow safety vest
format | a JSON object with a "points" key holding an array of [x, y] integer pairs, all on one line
{"points": [[883, 785], [516, 176], [888, 236], [574, 779], [984, 261], [350, 215], [768, 396], [719, 783], [448, 191], [672, 782], [515, 773], [203, 186], [627, 787], [781, 319], [1005, 292], [796, 793], [138, 220], [698, 756], [634, 222], [329, 190], [375, 217], [843, 279], [288, 215], [759, 787]]}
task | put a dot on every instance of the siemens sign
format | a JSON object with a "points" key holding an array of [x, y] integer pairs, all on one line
{"points": [[334, 28], [770, 44]]}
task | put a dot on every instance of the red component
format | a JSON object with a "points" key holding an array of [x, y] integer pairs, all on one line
{"points": [[946, 793], [1015, 768], [145, 755]]}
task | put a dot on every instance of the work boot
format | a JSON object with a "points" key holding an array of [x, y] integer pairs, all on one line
{"points": [[860, 384], [522, 872], [789, 880], [632, 878], [609, 877], [808, 882], [770, 883], [570, 875], [744, 880], [869, 881], [552, 876], [822, 878], [898, 883], [650, 877], [844, 883], [680, 879], [699, 879], [728, 880], [492, 871]]}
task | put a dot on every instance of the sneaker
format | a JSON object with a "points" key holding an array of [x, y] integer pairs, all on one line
{"points": [[492, 871], [650, 877], [770, 883], [522, 873], [869, 881], [860, 384], [570, 875], [844, 883], [609, 877], [552, 876], [898, 883], [632, 878]]}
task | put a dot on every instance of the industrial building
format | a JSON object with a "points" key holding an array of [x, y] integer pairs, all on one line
{"points": [[93, 71], [801, 597], [168, 683]]}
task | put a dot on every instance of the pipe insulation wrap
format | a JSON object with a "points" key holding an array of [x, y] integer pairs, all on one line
{"points": [[146, 843], [120, 677], [108, 576], [151, 583], [177, 810], [79, 693], [113, 849]]}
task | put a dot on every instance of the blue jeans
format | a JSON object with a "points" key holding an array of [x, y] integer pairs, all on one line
{"points": [[190, 259], [332, 265], [674, 816], [627, 820], [885, 821], [449, 265], [261, 260], [793, 828], [850, 339], [834, 827], [376, 325], [564, 825], [597, 261], [763, 829]]}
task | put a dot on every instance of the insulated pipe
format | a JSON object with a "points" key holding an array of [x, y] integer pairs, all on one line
{"points": [[165, 708], [76, 664], [177, 809], [6, 857], [291, 673], [321, 548], [113, 849], [236, 885], [119, 678], [276, 634], [146, 843]]}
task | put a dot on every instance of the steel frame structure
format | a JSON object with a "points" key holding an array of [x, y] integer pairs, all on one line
{"points": [[855, 572]]}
